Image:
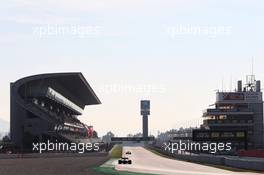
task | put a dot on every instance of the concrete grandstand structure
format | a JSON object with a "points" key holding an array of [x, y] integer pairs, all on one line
{"points": [[45, 107]]}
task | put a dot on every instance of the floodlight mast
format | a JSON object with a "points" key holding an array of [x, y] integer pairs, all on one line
{"points": [[251, 80]]}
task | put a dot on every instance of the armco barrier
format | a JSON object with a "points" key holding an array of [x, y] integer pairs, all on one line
{"points": [[245, 164], [236, 162], [207, 159]]}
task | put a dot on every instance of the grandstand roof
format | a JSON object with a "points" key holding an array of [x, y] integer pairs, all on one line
{"points": [[73, 82]]}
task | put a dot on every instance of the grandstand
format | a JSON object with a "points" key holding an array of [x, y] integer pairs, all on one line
{"points": [[46, 107]]}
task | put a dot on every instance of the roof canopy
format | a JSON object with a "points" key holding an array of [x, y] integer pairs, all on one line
{"points": [[73, 82]]}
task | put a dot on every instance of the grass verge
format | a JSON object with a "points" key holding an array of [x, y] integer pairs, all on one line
{"points": [[116, 151]]}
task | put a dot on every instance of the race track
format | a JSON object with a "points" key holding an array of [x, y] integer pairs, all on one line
{"points": [[145, 161]]}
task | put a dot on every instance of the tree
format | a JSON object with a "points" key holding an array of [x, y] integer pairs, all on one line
{"points": [[107, 138], [95, 134], [6, 139], [138, 135], [130, 135]]}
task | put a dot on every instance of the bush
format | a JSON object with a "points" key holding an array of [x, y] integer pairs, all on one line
{"points": [[6, 139]]}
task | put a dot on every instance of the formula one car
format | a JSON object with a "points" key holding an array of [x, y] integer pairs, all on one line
{"points": [[128, 153], [124, 160]]}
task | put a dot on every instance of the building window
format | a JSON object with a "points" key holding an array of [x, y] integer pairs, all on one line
{"points": [[234, 121], [250, 121]]}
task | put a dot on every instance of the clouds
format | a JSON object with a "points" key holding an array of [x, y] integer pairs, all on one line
{"points": [[133, 45], [69, 11], [78, 11], [4, 126], [47, 12], [72, 6]]}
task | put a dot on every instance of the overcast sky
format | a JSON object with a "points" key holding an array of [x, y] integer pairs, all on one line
{"points": [[174, 52]]}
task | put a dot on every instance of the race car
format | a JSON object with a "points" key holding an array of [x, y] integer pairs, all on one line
{"points": [[128, 153], [124, 160]]}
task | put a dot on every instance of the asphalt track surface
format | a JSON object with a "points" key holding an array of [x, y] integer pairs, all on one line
{"points": [[145, 161], [73, 165]]}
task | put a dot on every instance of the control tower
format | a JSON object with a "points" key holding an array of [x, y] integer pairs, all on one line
{"points": [[145, 112]]}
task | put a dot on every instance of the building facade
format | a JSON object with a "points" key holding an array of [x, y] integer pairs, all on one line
{"points": [[237, 116]]}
